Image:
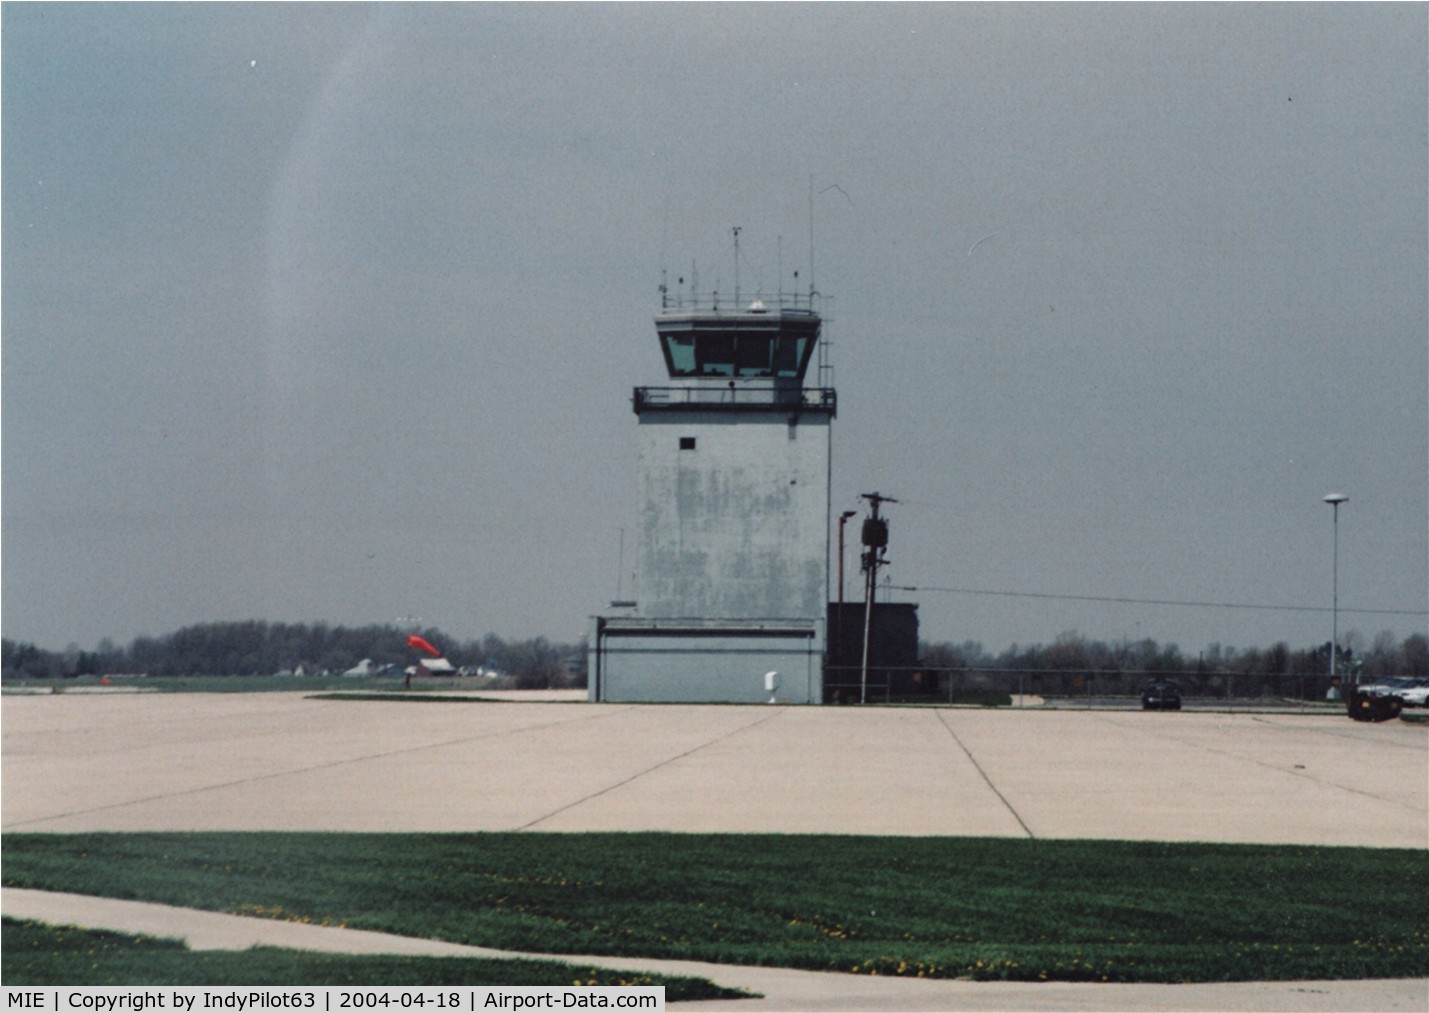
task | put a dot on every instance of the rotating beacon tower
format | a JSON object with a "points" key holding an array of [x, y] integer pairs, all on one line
{"points": [[732, 528]]}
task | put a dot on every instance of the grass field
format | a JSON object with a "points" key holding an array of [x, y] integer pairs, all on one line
{"points": [[935, 907], [37, 954]]}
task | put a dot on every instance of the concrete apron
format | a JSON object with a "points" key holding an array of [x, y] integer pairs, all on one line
{"points": [[285, 762]]}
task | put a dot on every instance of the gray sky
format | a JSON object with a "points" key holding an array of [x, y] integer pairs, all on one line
{"points": [[332, 312]]}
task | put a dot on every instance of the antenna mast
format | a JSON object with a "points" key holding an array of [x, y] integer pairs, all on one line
{"points": [[736, 231], [811, 240]]}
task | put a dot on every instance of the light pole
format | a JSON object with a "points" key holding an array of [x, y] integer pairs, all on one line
{"points": [[1335, 499], [843, 519], [839, 652]]}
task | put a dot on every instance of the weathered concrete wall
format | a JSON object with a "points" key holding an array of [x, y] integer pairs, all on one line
{"points": [[735, 526]]}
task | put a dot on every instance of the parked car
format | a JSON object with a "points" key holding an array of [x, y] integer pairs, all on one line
{"points": [[1161, 695], [1416, 695], [1411, 690], [1374, 702]]}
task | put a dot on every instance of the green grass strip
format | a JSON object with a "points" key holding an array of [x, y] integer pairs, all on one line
{"points": [[935, 907], [36, 954]]}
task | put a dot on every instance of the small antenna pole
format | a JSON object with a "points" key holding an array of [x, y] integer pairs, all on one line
{"points": [[779, 245], [811, 240], [736, 266]]}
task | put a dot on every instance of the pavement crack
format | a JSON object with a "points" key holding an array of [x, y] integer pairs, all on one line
{"points": [[639, 774], [1358, 733], [978, 767], [1278, 768], [201, 789]]}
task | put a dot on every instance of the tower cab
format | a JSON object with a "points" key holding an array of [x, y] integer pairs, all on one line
{"points": [[737, 357], [755, 343]]}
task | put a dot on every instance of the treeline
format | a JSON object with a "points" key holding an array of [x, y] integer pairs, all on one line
{"points": [[1071, 652], [262, 648]]}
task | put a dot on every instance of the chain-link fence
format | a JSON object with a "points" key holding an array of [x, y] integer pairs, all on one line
{"points": [[1080, 688]]}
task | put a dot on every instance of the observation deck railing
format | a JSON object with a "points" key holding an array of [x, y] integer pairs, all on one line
{"points": [[744, 397]]}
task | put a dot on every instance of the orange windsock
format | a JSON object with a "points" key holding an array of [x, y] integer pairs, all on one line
{"points": [[422, 645]]}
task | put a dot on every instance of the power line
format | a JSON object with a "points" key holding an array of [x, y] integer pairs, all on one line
{"points": [[1158, 601]]}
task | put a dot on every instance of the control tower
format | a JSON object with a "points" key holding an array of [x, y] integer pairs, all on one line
{"points": [[732, 532]]}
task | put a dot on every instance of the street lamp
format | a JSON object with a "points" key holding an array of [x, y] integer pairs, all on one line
{"points": [[843, 519], [1335, 499], [838, 653]]}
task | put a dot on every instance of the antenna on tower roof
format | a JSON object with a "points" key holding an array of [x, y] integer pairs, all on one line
{"points": [[779, 246], [811, 240], [736, 231]]}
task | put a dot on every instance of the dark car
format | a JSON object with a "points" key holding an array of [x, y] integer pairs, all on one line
{"points": [[1161, 695], [1374, 702]]}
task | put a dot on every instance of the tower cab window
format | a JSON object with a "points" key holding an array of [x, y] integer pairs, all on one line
{"points": [[730, 354]]}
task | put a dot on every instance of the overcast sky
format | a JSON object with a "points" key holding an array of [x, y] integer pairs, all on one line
{"points": [[332, 312]]}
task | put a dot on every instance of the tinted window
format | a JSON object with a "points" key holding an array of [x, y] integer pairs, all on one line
{"points": [[681, 350], [715, 353], [788, 354], [752, 351]]}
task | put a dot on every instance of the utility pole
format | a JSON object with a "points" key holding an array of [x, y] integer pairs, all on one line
{"points": [[875, 545]]}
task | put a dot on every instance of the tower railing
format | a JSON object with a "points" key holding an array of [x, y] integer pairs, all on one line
{"points": [[744, 396], [688, 301]]}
